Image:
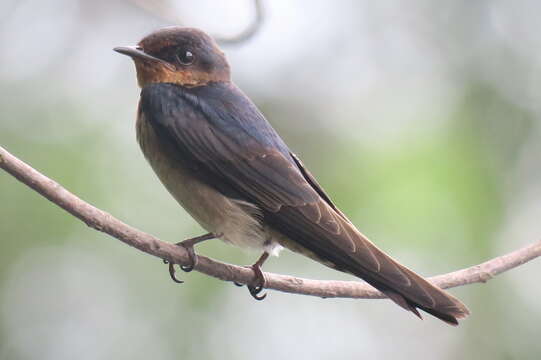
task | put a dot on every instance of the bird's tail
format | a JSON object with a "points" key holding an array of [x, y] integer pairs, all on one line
{"points": [[409, 290], [321, 231]]}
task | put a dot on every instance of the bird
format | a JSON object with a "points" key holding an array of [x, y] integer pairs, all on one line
{"points": [[225, 164]]}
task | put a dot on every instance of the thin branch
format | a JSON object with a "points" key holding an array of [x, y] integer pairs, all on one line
{"points": [[249, 31], [165, 11], [106, 223], [161, 9]]}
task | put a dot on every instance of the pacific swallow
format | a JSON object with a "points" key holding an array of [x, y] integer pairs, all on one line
{"points": [[225, 164]]}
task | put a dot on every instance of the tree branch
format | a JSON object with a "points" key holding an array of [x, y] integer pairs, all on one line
{"points": [[106, 223], [165, 11]]}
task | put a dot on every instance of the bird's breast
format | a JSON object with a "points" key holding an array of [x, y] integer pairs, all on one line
{"points": [[236, 220]]}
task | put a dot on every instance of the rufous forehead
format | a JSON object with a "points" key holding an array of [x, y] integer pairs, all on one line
{"points": [[175, 36]]}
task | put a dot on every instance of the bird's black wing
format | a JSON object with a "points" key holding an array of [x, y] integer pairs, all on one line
{"points": [[222, 135]]}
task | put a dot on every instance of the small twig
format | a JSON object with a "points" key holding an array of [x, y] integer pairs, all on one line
{"points": [[163, 10], [160, 9], [106, 223], [250, 30]]}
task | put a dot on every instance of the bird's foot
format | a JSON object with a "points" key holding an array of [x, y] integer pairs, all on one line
{"points": [[258, 282], [188, 245], [172, 271]]}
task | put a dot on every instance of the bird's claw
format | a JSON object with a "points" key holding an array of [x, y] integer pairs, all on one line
{"points": [[191, 255], [172, 271], [258, 283], [254, 291], [188, 245], [186, 268]]}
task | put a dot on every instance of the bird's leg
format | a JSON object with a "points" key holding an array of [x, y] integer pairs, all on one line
{"points": [[259, 279], [188, 245]]}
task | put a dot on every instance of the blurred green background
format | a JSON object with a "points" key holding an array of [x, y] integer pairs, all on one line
{"points": [[420, 118]]}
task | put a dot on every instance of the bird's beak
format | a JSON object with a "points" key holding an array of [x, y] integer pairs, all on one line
{"points": [[136, 52]]}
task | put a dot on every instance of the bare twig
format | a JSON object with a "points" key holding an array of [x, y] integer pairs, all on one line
{"points": [[106, 223], [160, 9], [163, 10], [249, 31]]}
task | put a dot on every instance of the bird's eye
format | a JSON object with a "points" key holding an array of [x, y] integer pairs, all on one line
{"points": [[185, 57]]}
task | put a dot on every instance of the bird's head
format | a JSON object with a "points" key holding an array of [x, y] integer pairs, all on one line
{"points": [[178, 55]]}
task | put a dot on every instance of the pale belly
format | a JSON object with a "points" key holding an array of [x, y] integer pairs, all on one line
{"points": [[217, 214]]}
